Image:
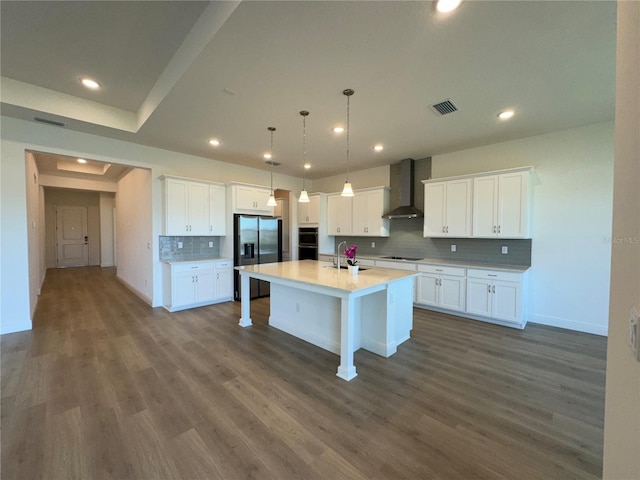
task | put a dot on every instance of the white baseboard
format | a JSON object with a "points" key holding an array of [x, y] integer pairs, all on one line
{"points": [[569, 324], [144, 297]]}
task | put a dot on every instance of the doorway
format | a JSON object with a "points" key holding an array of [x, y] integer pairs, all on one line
{"points": [[72, 237]]}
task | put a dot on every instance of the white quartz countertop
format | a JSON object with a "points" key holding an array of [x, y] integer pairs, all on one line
{"points": [[323, 274], [197, 260], [453, 263]]}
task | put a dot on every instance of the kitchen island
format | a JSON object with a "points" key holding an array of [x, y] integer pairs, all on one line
{"points": [[335, 310]]}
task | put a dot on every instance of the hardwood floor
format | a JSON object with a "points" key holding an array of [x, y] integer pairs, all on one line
{"points": [[106, 387]]}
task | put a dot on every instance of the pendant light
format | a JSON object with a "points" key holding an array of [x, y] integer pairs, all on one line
{"points": [[272, 199], [304, 196], [347, 191]]}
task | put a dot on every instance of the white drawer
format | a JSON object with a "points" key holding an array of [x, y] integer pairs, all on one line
{"points": [[442, 270], [224, 264], [397, 265], [191, 266], [366, 262], [494, 275]]}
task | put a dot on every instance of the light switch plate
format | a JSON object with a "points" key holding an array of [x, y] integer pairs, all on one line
{"points": [[179, 244], [453, 248], [373, 244], [505, 250], [210, 244]]}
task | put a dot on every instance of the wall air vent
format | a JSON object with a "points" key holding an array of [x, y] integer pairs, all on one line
{"points": [[445, 107], [48, 122]]}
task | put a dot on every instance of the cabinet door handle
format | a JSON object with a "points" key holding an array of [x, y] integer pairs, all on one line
{"points": [[196, 278], [494, 229], [217, 276], [193, 279], [443, 229], [494, 289], [447, 228], [489, 288], [498, 228]]}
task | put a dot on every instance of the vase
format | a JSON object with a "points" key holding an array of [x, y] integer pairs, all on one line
{"points": [[353, 269]]}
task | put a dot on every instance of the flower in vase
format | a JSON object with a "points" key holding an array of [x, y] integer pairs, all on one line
{"points": [[350, 253]]}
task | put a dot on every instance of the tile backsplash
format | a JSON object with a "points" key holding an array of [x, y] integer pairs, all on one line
{"points": [[405, 239], [193, 248]]}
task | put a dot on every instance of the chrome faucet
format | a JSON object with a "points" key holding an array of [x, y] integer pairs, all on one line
{"points": [[338, 252]]}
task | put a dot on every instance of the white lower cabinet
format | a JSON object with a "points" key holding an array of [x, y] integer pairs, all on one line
{"points": [[195, 284], [443, 287], [223, 280], [496, 295]]}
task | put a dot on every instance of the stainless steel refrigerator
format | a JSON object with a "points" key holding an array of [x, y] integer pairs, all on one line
{"points": [[257, 239]]}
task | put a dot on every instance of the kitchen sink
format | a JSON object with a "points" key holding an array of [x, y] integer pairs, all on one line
{"points": [[409, 259], [344, 267]]}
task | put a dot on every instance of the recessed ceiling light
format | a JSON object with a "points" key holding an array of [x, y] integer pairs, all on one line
{"points": [[82, 160], [89, 83], [338, 129], [446, 6], [214, 142], [506, 114], [378, 148], [267, 156], [307, 166]]}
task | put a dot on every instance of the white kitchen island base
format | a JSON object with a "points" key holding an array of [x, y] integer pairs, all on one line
{"points": [[335, 310]]}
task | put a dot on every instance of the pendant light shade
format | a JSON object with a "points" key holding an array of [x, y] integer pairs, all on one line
{"points": [[304, 196], [272, 199], [347, 191]]}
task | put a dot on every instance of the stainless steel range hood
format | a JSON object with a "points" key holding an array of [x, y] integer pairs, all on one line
{"points": [[407, 209]]}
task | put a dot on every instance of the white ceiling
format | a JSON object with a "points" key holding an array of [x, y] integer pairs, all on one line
{"points": [[164, 68]]}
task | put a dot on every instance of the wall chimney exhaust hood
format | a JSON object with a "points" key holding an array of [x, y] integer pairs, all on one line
{"points": [[407, 208]]}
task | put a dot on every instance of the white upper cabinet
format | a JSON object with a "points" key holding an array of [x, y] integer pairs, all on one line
{"points": [[250, 199], [368, 207], [501, 205], [217, 210], [339, 214], [309, 213], [447, 208], [186, 207]]}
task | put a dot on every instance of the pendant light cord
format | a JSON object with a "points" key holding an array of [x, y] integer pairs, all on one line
{"points": [[304, 147], [348, 98], [271, 129]]}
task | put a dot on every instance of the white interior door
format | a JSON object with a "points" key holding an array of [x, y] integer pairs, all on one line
{"points": [[72, 236]]}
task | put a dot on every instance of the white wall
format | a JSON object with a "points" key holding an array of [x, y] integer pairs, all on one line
{"points": [[622, 405], [372, 177], [571, 219], [14, 274], [18, 136], [135, 235], [35, 228], [107, 233]]}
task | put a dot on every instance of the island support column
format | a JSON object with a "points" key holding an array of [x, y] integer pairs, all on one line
{"points": [[347, 369], [245, 301]]}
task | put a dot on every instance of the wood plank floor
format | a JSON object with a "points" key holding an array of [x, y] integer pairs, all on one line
{"points": [[106, 387]]}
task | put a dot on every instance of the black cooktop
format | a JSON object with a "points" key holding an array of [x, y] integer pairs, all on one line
{"points": [[410, 259]]}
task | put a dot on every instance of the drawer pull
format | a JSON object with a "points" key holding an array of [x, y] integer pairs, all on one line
{"points": [[492, 275], [439, 270]]}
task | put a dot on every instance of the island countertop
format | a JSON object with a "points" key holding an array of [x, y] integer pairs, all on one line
{"points": [[324, 274]]}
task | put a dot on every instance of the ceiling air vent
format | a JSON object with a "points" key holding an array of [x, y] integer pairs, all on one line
{"points": [[445, 107], [48, 122]]}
